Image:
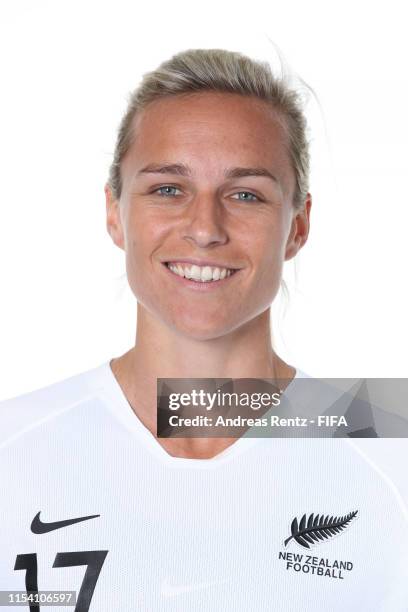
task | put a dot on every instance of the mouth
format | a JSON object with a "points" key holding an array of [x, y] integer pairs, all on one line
{"points": [[200, 275]]}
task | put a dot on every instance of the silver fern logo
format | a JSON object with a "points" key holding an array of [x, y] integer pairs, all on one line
{"points": [[317, 529]]}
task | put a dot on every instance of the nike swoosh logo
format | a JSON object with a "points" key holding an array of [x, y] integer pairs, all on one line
{"points": [[37, 526]]}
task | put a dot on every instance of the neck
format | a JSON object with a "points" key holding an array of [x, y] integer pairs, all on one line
{"points": [[160, 352]]}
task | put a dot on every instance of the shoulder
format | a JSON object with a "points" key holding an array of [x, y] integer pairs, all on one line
{"points": [[24, 412]]}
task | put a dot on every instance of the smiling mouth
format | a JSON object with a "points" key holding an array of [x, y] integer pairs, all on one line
{"points": [[200, 274]]}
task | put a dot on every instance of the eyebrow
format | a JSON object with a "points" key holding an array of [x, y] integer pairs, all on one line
{"points": [[183, 170]]}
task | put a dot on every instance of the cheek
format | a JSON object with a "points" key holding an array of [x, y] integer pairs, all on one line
{"points": [[144, 237], [269, 259], [134, 259], [138, 262], [267, 242]]}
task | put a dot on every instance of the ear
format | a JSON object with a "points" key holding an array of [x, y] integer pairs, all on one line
{"points": [[113, 220], [299, 230]]}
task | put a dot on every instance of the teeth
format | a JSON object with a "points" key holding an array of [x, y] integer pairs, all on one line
{"points": [[202, 274], [206, 273], [195, 273], [216, 274]]}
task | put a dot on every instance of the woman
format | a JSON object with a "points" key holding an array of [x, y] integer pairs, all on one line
{"points": [[208, 196], [205, 184]]}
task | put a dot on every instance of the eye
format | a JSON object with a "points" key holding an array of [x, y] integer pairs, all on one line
{"points": [[166, 190], [247, 196]]}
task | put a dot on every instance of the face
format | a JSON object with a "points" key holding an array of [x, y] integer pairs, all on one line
{"points": [[207, 189]]}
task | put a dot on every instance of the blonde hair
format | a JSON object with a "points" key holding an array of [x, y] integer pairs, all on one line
{"points": [[219, 70]]}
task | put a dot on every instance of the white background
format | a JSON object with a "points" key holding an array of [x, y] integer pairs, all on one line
{"points": [[67, 68]]}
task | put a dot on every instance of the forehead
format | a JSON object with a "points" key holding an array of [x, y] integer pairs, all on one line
{"points": [[210, 130]]}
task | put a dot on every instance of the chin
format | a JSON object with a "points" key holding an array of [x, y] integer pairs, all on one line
{"points": [[199, 329]]}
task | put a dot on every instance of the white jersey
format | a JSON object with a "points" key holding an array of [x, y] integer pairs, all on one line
{"points": [[91, 502]]}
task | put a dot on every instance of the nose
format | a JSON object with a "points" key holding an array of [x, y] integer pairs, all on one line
{"points": [[205, 223]]}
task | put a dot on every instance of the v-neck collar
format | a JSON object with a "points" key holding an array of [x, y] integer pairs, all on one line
{"points": [[122, 410]]}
